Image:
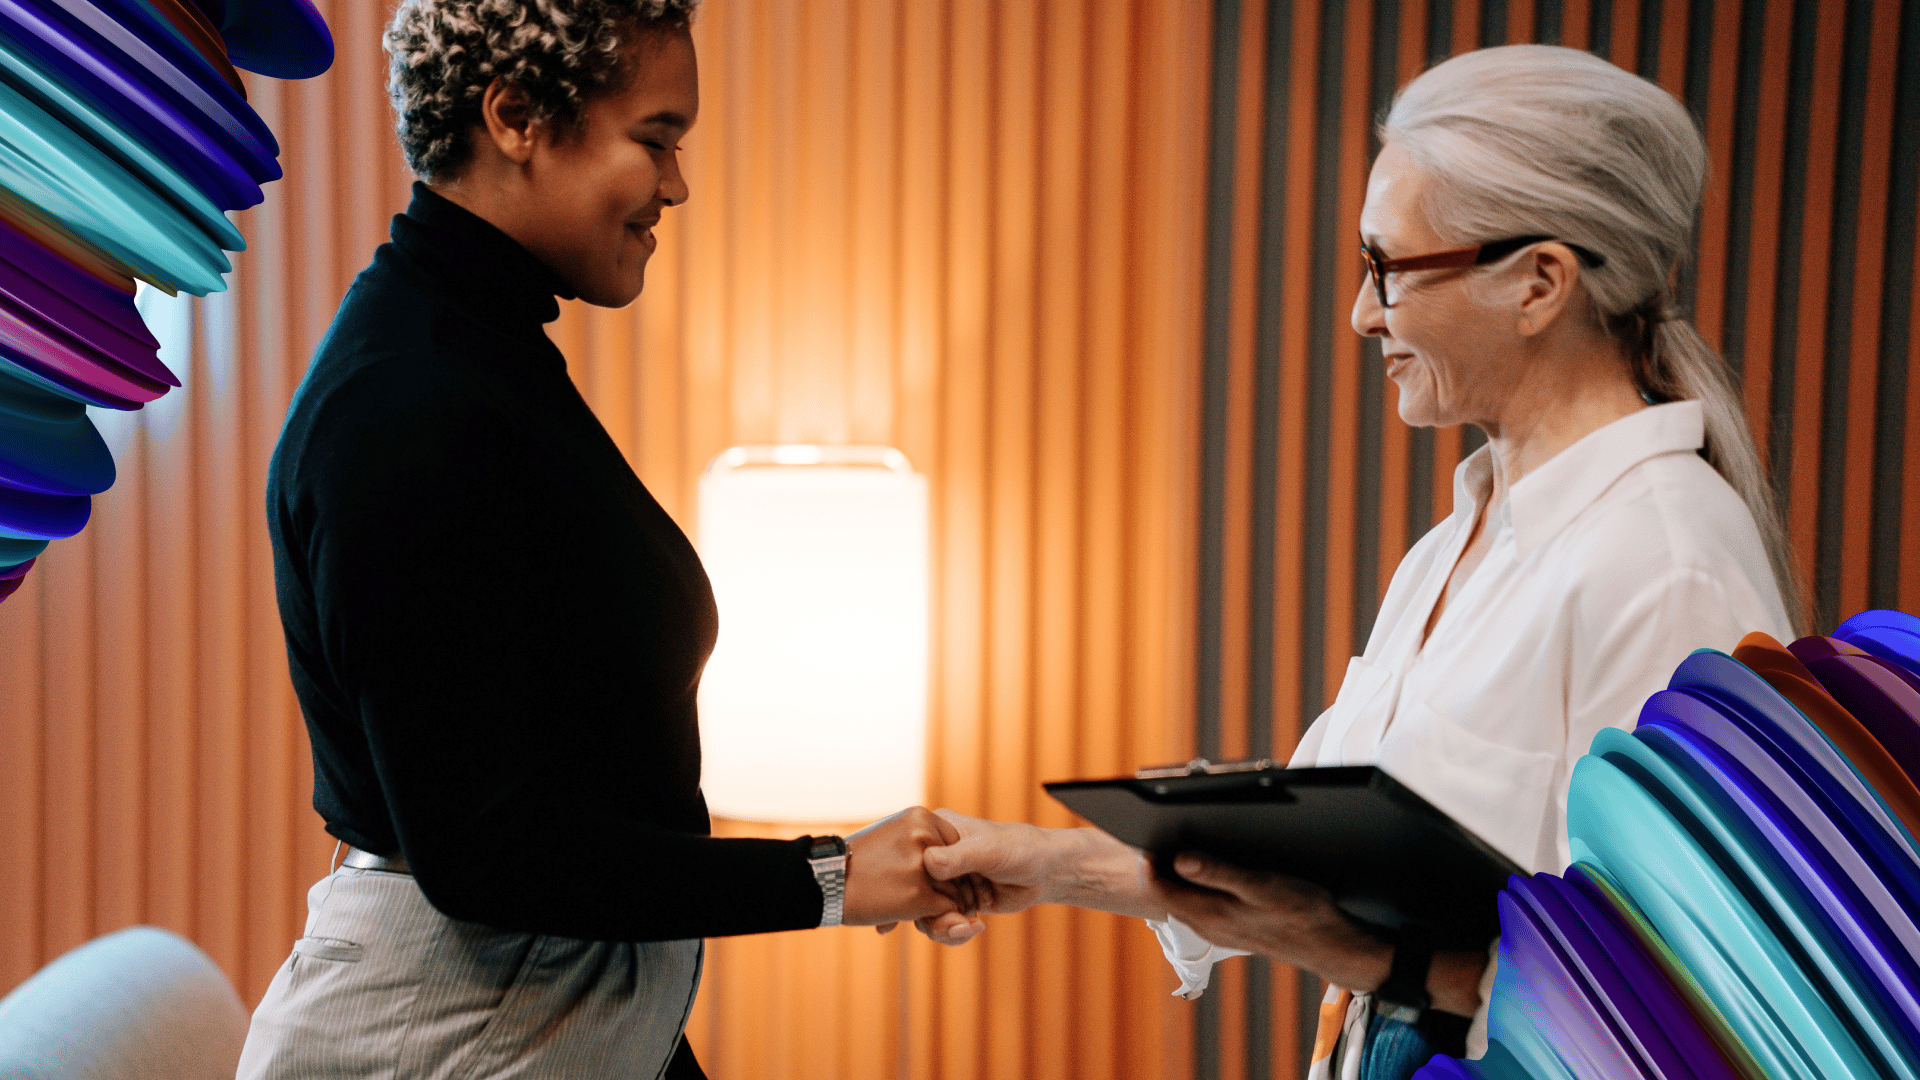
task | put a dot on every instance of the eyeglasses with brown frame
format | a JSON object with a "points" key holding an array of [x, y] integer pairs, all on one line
{"points": [[1378, 267]]}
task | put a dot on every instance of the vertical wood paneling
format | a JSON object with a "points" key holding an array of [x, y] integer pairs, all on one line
{"points": [[1804, 276], [1897, 488], [995, 213], [965, 230], [977, 232], [23, 780], [152, 762], [961, 702], [1853, 342]]}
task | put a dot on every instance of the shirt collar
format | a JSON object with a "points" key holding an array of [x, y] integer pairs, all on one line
{"points": [[1545, 500], [488, 270]]}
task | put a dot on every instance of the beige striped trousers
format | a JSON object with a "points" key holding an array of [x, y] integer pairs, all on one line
{"points": [[384, 987]]}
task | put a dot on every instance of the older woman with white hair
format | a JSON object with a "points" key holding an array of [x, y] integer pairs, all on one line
{"points": [[1523, 227]]}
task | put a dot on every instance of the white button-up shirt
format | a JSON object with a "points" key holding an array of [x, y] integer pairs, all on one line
{"points": [[1609, 564]]}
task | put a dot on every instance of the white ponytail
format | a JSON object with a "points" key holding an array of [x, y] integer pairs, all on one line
{"points": [[1526, 140]]}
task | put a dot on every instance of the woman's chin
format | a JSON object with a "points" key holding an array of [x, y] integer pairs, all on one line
{"points": [[1417, 413], [613, 290]]}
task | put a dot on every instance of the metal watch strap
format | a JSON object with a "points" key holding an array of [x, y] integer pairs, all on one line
{"points": [[828, 857], [1403, 996]]}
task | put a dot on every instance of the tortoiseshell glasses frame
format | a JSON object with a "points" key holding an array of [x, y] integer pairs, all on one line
{"points": [[1378, 266]]}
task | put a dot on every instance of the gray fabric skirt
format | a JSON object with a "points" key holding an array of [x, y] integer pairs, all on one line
{"points": [[384, 986]]}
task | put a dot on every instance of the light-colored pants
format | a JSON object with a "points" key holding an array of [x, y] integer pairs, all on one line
{"points": [[384, 986]]}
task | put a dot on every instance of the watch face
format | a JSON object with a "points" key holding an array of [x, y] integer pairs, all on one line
{"points": [[826, 847]]}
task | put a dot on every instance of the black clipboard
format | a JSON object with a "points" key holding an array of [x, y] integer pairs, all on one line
{"points": [[1389, 857]]}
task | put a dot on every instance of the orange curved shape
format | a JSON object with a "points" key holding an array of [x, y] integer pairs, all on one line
{"points": [[203, 36], [1785, 673]]}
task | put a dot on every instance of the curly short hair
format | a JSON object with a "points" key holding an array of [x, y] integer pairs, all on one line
{"points": [[443, 54]]}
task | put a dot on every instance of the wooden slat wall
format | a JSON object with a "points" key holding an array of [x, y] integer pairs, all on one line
{"points": [[970, 230], [988, 234], [1312, 489], [152, 764]]}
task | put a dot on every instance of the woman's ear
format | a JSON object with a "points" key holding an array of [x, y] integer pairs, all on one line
{"points": [[509, 121], [1552, 273]]}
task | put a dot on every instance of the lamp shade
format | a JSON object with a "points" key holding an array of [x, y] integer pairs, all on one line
{"points": [[813, 707]]}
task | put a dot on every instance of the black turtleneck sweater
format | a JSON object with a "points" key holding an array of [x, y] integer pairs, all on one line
{"points": [[495, 632]]}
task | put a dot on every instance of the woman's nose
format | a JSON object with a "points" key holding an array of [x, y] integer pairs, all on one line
{"points": [[673, 185], [1369, 318]]}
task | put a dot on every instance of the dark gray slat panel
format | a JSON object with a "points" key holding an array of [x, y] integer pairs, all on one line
{"points": [[1600, 27], [1370, 465], [1548, 19], [1740, 181], [1322, 290], [1259, 1018], [1781, 437], [1646, 63], [1695, 84], [1699, 71], [1836, 376], [1896, 327], [1262, 607], [1439, 30], [1472, 437], [1419, 483], [1206, 1036], [1216, 368], [1276, 237], [1420, 446], [1493, 22]]}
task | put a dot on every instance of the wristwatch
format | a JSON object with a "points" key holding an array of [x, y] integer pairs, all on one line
{"points": [[1403, 996], [828, 857]]}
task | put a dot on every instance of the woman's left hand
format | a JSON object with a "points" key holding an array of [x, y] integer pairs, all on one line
{"points": [[1282, 918]]}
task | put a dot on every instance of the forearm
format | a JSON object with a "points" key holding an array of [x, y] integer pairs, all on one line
{"points": [[1093, 870], [611, 879]]}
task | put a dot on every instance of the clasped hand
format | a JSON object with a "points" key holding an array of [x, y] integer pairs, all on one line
{"points": [[1015, 866], [887, 880], [942, 870], [974, 866]]}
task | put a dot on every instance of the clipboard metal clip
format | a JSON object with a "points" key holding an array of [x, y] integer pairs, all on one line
{"points": [[1202, 767]]}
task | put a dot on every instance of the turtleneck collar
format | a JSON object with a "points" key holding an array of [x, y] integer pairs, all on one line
{"points": [[500, 279]]}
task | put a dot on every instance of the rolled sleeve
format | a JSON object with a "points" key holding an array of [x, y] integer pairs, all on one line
{"points": [[1191, 955]]}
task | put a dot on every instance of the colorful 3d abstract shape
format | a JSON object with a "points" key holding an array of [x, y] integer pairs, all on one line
{"points": [[1745, 894], [125, 139]]}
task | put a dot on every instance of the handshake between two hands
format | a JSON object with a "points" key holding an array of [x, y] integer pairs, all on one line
{"points": [[942, 870]]}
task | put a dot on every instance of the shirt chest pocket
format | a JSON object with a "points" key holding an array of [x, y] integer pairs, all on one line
{"points": [[1499, 792]]}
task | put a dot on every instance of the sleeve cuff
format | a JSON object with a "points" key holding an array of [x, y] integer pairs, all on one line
{"points": [[1191, 955], [1477, 1034]]}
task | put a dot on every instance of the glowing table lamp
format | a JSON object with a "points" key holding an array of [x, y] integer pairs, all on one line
{"points": [[813, 707]]}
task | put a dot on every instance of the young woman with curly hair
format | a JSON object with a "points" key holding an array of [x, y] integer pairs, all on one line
{"points": [[504, 733]]}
